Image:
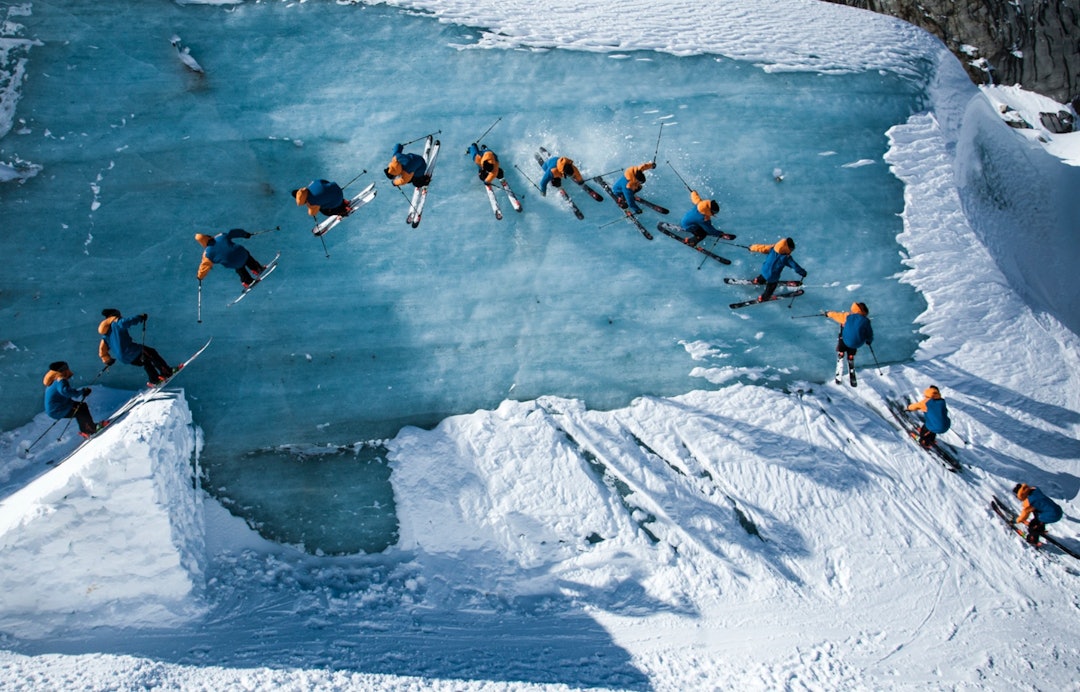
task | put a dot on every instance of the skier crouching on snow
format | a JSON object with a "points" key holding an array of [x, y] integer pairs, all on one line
{"points": [[116, 343], [488, 163], [855, 330], [555, 169], [64, 401], [406, 168], [630, 184], [779, 257], [1042, 509], [698, 220], [220, 249], [936, 421], [322, 196]]}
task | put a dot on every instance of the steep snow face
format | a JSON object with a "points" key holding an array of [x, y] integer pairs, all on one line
{"points": [[111, 537]]}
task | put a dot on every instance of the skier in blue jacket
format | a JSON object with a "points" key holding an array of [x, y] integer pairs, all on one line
{"points": [[116, 343], [779, 257], [855, 330], [1042, 509], [698, 220], [64, 401], [936, 421], [322, 196], [555, 169], [220, 249], [406, 168], [629, 184]]}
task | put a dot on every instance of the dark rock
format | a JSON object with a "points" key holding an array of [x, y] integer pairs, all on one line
{"points": [[1034, 43]]}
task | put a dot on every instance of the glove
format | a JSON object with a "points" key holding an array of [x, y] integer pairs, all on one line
{"points": [[482, 175], [110, 362], [803, 273], [143, 317], [85, 392]]}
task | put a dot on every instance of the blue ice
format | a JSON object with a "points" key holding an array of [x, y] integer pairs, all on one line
{"points": [[400, 326]]}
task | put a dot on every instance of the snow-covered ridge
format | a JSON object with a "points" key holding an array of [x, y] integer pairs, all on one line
{"points": [[111, 537]]}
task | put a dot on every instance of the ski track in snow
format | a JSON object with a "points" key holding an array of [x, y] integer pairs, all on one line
{"points": [[689, 542]]}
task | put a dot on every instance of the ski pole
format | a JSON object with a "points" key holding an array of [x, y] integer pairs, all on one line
{"points": [[351, 181], [876, 363], [710, 250], [412, 210], [430, 134], [657, 150], [526, 176], [268, 230], [488, 130], [200, 302], [323, 239], [613, 221], [689, 189], [816, 314]]}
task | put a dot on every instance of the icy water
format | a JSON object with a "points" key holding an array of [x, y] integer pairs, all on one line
{"points": [[400, 326]]}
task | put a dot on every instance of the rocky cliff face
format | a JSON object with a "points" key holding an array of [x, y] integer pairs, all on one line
{"points": [[1034, 43]]}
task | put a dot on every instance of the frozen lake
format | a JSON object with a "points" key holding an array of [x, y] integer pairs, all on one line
{"points": [[401, 326]]}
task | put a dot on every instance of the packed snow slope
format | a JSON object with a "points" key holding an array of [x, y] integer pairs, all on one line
{"points": [[744, 537]]}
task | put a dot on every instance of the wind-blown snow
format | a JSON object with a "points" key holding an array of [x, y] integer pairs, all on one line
{"points": [[739, 537]]}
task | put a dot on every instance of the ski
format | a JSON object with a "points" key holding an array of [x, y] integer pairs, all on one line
{"points": [[562, 193], [510, 195], [140, 396], [415, 201], [946, 456], [851, 373], [668, 230], [675, 228], [656, 207], [267, 270], [753, 282], [492, 201], [839, 371], [430, 154], [775, 296], [591, 192], [362, 198], [634, 220]]}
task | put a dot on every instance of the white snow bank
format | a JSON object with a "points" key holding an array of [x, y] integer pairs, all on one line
{"points": [[111, 537], [792, 35]]}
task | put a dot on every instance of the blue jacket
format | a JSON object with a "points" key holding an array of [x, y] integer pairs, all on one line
{"points": [[1046, 510], [621, 188], [404, 166], [775, 263], [119, 341], [937, 416], [695, 219], [60, 398], [857, 331], [225, 252], [325, 194]]}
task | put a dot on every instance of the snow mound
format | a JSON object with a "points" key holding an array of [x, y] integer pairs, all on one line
{"points": [[120, 521]]}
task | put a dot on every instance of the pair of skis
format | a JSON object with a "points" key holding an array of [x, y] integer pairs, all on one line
{"points": [[267, 270], [676, 232], [776, 296], [419, 195], [514, 201]]}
